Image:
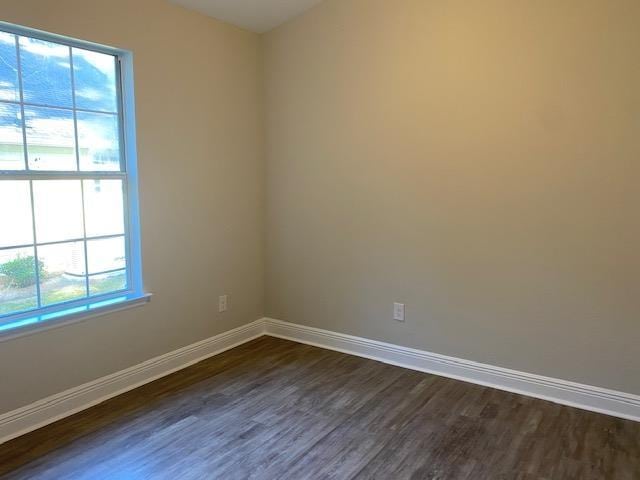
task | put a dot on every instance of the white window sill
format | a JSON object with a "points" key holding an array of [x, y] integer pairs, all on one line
{"points": [[41, 322]]}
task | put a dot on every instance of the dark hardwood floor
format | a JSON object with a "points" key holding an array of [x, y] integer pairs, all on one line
{"points": [[273, 409]]}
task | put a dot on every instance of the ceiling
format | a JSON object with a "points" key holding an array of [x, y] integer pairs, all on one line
{"points": [[256, 15]]}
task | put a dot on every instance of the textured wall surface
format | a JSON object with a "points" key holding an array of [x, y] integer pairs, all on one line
{"points": [[476, 160], [200, 144]]}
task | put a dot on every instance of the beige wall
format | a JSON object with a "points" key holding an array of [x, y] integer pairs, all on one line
{"points": [[477, 160], [201, 177]]}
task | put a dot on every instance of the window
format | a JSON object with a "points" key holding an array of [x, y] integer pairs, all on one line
{"points": [[68, 197]]}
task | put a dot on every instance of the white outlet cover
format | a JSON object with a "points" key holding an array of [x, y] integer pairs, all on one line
{"points": [[222, 303], [398, 312]]}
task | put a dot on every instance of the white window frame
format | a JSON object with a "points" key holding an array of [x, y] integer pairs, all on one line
{"points": [[71, 311]]}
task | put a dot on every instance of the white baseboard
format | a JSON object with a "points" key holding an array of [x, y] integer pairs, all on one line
{"points": [[53, 408], [573, 394]]}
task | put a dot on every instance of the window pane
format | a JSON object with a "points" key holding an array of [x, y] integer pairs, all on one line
{"points": [[17, 280], [95, 80], [107, 254], [108, 282], [9, 87], [15, 213], [11, 145], [62, 236], [103, 201], [98, 141], [46, 72], [63, 277], [58, 209], [50, 139]]}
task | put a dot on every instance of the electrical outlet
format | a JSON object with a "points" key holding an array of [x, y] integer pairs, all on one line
{"points": [[222, 303], [398, 312]]}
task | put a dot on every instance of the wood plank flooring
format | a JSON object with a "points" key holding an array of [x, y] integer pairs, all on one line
{"points": [[273, 409]]}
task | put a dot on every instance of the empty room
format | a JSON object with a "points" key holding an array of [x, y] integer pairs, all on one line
{"points": [[319, 239]]}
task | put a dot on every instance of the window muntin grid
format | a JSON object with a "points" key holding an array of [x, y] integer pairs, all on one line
{"points": [[67, 136]]}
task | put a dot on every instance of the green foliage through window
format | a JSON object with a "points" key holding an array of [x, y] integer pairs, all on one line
{"points": [[21, 272]]}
